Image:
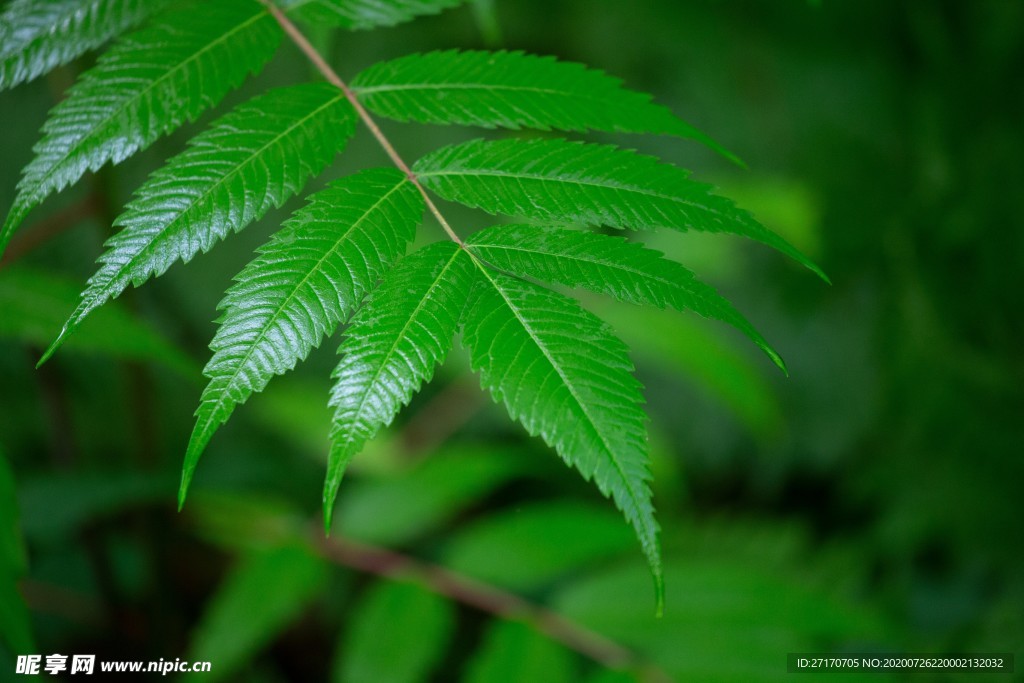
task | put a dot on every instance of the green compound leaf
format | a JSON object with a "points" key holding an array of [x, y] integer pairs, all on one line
{"points": [[557, 368], [608, 265], [145, 86], [585, 183], [391, 348], [248, 161], [364, 14], [563, 374], [512, 90], [307, 279], [36, 37]]}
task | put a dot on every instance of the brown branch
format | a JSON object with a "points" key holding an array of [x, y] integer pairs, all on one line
{"points": [[467, 591], [51, 598], [332, 77], [49, 227]]}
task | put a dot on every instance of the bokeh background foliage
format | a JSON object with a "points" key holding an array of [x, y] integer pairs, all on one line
{"points": [[869, 502]]}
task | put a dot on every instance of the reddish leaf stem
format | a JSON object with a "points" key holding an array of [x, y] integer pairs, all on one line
{"points": [[332, 77], [49, 227]]}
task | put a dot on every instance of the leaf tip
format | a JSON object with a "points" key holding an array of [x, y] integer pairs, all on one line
{"points": [[52, 349], [182, 491], [330, 495], [806, 262], [730, 156], [652, 550], [779, 362], [196, 444], [685, 130]]}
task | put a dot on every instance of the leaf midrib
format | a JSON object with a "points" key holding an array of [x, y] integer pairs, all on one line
{"points": [[605, 264], [442, 173], [383, 89]]}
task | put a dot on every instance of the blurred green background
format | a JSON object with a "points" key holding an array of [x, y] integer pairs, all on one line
{"points": [[869, 502]]}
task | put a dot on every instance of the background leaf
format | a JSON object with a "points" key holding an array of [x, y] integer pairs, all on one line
{"points": [[529, 546], [609, 676], [257, 601], [513, 652], [397, 635], [15, 627], [12, 551], [672, 344], [421, 499], [722, 576], [57, 507], [35, 301]]}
